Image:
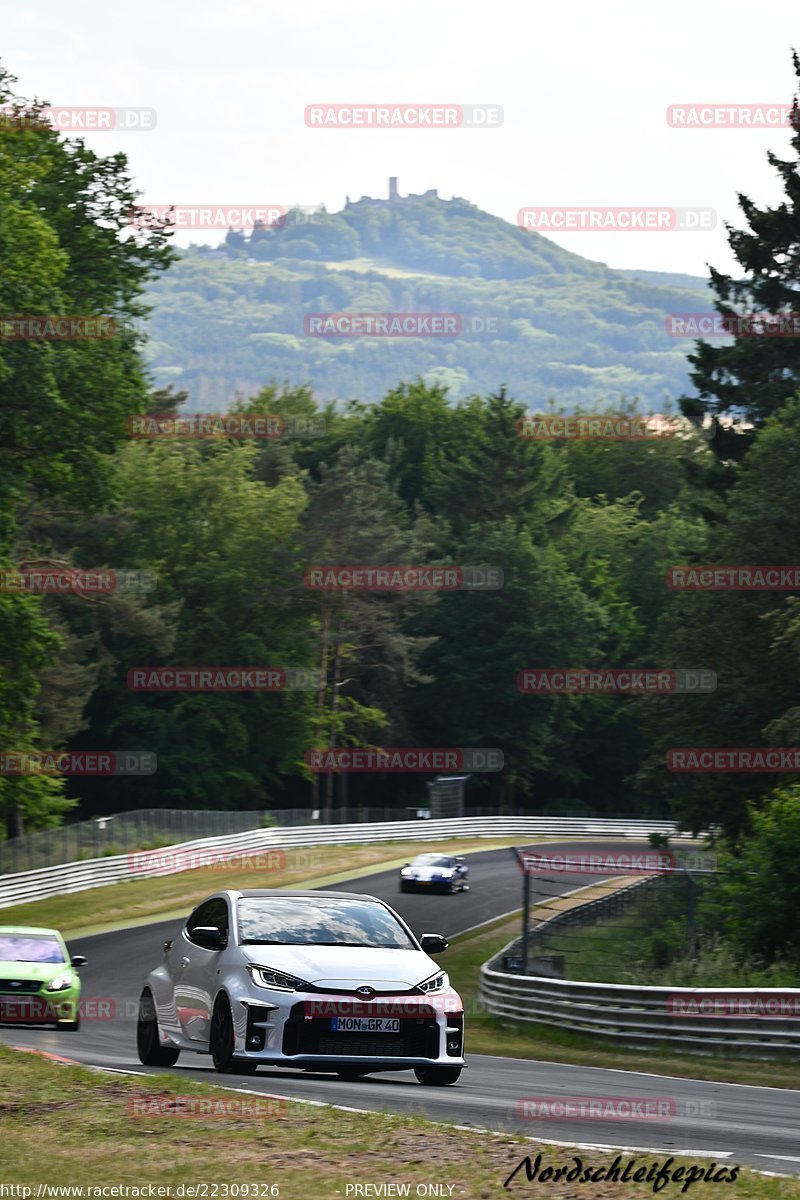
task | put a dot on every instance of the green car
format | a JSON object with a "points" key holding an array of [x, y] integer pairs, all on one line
{"points": [[38, 981]]}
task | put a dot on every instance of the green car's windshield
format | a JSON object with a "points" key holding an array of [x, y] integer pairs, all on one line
{"points": [[30, 947]]}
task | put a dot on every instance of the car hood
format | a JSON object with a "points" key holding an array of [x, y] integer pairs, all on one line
{"points": [[347, 967], [29, 970]]}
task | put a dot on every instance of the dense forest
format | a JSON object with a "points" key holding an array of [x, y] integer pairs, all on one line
{"points": [[583, 531]]}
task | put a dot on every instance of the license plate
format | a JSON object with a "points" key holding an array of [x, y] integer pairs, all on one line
{"points": [[365, 1024]]}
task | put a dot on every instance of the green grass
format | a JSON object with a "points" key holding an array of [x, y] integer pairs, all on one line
{"points": [[647, 944], [65, 1125]]}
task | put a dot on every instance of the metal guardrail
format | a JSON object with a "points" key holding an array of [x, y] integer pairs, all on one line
{"points": [[639, 1014], [119, 833], [66, 878]]}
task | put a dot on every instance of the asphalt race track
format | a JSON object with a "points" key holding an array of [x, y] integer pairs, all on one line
{"points": [[757, 1126]]}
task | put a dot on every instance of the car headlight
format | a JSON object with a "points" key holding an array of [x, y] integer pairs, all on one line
{"points": [[437, 983], [446, 874], [278, 981], [405, 871], [60, 983]]}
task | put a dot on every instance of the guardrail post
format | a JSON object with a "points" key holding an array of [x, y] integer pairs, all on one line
{"points": [[526, 913], [691, 909]]}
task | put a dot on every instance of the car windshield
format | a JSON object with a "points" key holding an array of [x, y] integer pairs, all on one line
{"points": [[30, 947], [432, 860], [308, 921]]}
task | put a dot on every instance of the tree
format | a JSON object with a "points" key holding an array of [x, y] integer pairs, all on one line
{"points": [[540, 617], [27, 647], [225, 550], [63, 404], [749, 638], [367, 657], [753, 376], [760, 886]]}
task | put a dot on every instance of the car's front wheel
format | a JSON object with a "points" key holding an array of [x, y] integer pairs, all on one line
{"points": [[148, 1043], [221, 1042], [70, 1026], [351, 1075], [437, 1076]]}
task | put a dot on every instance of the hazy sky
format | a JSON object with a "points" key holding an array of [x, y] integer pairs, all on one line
{"points": [[584, 88]]}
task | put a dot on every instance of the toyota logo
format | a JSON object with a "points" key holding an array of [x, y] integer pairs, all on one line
{"points": [[14, 983], [368, 992]]}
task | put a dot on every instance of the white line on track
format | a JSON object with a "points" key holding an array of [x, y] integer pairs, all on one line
{"points": [[673, 1150], [481, 924], [552, 1062]]}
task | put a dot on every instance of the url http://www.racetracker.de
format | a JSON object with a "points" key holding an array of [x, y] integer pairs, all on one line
{"points": [[143, 1191]]}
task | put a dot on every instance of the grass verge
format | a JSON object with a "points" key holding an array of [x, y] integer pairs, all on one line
{"points": [[492, 1035], [66, 1126]]}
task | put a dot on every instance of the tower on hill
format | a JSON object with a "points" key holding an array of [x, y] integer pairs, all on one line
{"points": [[394, 198]]}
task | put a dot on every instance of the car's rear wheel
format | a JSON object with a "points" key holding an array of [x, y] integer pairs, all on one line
{"points": [[148, 1042], [437, 1076], [221, 1042]]}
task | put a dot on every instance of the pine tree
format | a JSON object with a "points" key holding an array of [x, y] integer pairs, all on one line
{"points": [[754, 375]]}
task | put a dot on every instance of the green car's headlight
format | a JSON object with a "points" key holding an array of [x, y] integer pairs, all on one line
{"points": [[60, 983]]}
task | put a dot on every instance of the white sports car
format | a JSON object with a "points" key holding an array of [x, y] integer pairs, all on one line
{"points": [[324, 981]]}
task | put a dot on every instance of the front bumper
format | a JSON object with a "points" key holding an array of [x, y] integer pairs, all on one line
{"points": [[39, 1008], [429, 885], [297, 1030]]}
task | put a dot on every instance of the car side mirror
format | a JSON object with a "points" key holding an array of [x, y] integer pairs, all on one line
{"points": [[433, 943], [208, 936], [406, 864], [78, 960]]}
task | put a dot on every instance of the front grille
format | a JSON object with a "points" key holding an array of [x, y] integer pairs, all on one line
{"points": [[418, 1038], [20, 987], [383, 1045]]}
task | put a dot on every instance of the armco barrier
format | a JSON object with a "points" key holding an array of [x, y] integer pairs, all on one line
{"points": [[639, 1015], [99, 872]]}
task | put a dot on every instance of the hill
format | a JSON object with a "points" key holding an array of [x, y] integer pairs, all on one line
{"points": [[544, 321]]}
